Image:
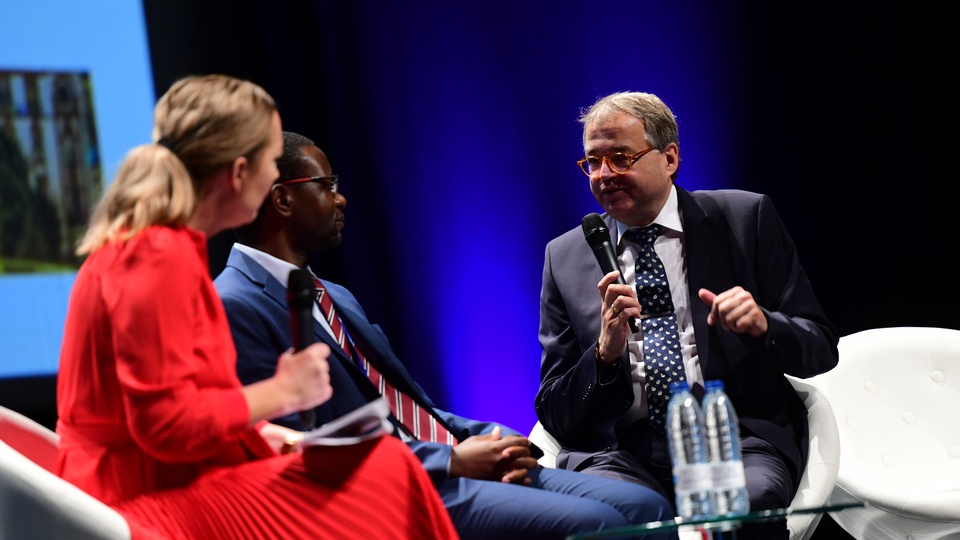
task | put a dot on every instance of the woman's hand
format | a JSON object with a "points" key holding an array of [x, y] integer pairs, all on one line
{"points": [[305, 375], [301, 382], [282, 439]]}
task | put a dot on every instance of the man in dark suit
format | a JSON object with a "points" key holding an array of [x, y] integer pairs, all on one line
{"points": [[488, 479], [743, 310]]}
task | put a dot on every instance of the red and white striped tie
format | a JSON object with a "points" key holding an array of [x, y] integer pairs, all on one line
{"points": [[416, 421]]}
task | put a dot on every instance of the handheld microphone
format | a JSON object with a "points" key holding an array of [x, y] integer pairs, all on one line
{"points": [[598, 236], [300, 292]]}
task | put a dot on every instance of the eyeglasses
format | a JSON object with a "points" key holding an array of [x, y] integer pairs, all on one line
{"points": [[618, 163], [332, 182]]}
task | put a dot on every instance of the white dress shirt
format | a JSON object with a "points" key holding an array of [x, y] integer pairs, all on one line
{"points": [[670, 247]]}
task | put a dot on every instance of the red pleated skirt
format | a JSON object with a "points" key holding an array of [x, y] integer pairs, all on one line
{"points": [[373, 490]]}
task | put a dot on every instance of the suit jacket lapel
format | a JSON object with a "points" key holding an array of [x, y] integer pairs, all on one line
{"points": [[373, 344], [378, 352], [258, 275], [276, 292], [375, 348], [699, 245]]}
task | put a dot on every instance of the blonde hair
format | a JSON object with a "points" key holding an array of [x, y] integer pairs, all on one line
{"points": [[201, 124]]}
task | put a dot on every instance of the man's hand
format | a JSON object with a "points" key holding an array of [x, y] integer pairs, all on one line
{"points": [[619, 304], [492, 457], [735, 310]]}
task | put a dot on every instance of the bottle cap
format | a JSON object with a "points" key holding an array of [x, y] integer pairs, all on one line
{"points": [[678, 386], [716, 383]]}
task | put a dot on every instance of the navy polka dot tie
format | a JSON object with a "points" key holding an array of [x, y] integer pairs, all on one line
{"points": [[663, 362]]}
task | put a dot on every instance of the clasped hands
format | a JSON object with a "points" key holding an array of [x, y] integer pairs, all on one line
{"points": [[493, 457], [735, 310]]}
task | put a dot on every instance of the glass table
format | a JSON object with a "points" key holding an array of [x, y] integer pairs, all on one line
{"points": [[714, 526]]}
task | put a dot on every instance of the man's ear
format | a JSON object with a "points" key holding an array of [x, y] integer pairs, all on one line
{"points": [[672, 153], [281, 199]]}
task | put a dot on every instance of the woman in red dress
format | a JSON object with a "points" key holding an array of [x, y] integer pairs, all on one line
{"points": [[152, 417]]}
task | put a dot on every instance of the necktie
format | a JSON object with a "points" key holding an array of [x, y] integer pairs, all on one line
{"points": [[416, 421], [662, 360]]}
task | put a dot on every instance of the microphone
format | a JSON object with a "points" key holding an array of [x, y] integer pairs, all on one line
{"points": [[598, 236], [300, 292]]}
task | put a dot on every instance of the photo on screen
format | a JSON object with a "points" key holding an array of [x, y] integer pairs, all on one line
{"points": [[51, 176], [76, 94]]}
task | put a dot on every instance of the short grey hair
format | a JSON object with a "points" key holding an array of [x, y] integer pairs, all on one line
{"points": [[659, 122]]}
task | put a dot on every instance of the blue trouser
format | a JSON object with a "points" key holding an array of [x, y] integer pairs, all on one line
{"points": [[558, 503]]}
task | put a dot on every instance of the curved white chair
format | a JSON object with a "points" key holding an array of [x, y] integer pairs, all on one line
{"points": [[35, 502], [818, 478], [823, 460], [896, 396]]}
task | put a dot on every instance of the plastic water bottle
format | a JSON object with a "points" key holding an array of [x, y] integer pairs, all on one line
{"points": [[726, 460], [686, 436]]}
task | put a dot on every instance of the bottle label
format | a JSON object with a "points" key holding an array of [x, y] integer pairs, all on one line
{"points": [[728, 475], [692, 477]]}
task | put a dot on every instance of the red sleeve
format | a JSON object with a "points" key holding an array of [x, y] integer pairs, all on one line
{"points": [[174, 363]]}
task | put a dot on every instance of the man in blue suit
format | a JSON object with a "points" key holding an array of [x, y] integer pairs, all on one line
{"points": [[489, 481], [742, 306]]}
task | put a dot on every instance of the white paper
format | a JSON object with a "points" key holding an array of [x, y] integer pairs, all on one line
{"points": [[362, 424]]}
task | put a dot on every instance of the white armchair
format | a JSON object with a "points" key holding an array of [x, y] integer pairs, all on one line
{"points": [[823, 460], [818, 478], [35, 502], [896, 396]]}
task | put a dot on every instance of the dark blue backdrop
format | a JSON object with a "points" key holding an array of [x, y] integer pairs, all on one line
{"points": [[469, 136], [453, 127], [454, 131]]}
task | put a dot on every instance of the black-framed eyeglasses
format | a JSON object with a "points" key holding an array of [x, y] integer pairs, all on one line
{"points": [[618, 163], [331, 182]]}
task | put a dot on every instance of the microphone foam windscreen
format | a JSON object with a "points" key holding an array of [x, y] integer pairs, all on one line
{"points": [[594, 229]]}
